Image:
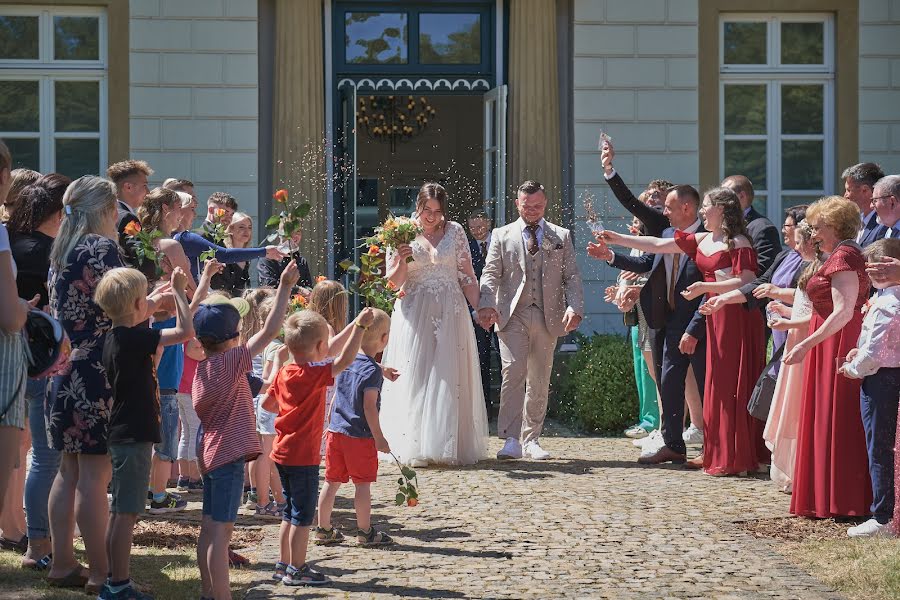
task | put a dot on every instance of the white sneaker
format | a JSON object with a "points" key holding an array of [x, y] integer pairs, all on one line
{"points": [[511, 449], [692, 435], [654, 445], [534, 451], [870, 528], [636, 432], [655, 436]]}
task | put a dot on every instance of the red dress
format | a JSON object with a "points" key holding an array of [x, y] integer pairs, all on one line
{"points": [[735, 357], [831, 473]]}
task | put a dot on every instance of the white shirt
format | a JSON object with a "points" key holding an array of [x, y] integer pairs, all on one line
{"points": [[864, 221], [879, 340], [539, 233], [669, 259]]}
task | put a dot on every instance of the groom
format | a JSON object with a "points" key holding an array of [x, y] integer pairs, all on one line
{"points": [[531, 290]]}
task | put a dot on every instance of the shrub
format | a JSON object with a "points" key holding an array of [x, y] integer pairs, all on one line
{"points": [[594, 389]]}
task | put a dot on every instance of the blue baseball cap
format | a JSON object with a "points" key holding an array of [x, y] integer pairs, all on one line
{"points": [[219, 320]]}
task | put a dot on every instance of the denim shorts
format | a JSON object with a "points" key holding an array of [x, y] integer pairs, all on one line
{"points": [[130, 476], [222, 491], [265, 420], [301, 490], [167, 450]]}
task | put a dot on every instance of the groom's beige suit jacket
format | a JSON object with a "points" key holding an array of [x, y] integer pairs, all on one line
{"points": [[503, 277]]}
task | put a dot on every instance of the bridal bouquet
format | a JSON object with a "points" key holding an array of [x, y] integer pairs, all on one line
{"points": [[394, 232]]}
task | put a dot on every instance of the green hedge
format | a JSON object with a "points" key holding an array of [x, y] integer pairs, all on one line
{"points": [[593, 388]]}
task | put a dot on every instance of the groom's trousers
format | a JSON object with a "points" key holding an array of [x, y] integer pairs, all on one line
{"points": [[526, 351]]}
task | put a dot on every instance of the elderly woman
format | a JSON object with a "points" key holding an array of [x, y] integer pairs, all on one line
{"points": [[80, 398], [831, 475], [33, 227], [13, 311]]}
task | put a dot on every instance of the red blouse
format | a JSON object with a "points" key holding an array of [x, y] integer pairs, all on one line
{"points": [[846, 257]]}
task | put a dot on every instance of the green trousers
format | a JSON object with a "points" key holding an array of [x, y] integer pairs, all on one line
{"points": [[648, 407]]}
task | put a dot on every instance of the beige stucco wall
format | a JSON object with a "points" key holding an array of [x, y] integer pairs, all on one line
{"points": [[879, 83]]}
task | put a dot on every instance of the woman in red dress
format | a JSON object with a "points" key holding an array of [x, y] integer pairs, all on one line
{"points": [[735, 344], [831, 475]]}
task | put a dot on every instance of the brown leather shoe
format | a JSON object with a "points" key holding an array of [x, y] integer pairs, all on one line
{"points": [[663, 455], [695, 463]]}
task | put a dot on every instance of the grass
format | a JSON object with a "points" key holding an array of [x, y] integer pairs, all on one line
{"points": [[164, 563], [859, 568]]}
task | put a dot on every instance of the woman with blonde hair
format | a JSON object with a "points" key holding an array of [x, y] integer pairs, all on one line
{"points": [[235, 277], [80, 398], [831, 474]]}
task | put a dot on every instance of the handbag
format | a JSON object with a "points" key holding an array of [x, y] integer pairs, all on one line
{"points": [[761, 399]]}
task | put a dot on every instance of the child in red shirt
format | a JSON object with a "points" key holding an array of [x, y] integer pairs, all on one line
{"points": [[298, 396]]}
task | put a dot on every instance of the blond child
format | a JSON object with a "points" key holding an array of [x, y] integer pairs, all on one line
{"points": [[298, 394], [224, 403], [129, 353], [354, 438]]}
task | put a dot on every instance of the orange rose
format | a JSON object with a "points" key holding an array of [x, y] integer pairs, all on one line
{"points": [[281, 196], [220, 212], [411, 502], [374, 250], [299, 299], [321, 278], [391, 285], [133, 228]]}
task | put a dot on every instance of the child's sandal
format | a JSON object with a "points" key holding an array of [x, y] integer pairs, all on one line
{"points": [[371, 538], [327, 537], [280, 571]]}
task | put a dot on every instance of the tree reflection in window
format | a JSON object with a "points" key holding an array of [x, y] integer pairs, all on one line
{"points": [[450, 39], [376, 38]]}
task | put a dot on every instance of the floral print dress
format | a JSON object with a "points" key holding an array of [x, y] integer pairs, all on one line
{"points": [[81, 399]]}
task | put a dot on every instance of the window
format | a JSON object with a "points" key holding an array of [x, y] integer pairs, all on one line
{"points": [[376, 38], [777, 106], [448, 39], [53, 88]]}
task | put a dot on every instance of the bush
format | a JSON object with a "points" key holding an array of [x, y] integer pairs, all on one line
{"points": [[594, 389]]}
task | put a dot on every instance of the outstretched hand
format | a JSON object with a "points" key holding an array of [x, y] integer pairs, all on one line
{"points": [[599, 251], [487, 317]]}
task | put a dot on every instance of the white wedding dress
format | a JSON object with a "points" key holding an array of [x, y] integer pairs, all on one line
{"points": [[435, 410]]}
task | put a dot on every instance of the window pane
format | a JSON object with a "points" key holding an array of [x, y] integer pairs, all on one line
{"points": [[19, 37], [802, 43], [802, 107], [450, 39], [77, 105], [745, 109], [802, 165], [760, 202], [75, 158], [747, 158], [76, 38], [745, 43], [376, 38], [19, 106], [789, 201], [26, 153]]}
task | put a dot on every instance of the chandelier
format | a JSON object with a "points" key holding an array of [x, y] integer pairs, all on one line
{"points": [[394, 119]]}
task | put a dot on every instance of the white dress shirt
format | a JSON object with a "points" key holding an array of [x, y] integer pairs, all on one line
{"points": [[879, 340], [864, 221]]}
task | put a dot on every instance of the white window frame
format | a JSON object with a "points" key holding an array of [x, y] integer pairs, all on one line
{"points": [[47, 70], [773, 75]]}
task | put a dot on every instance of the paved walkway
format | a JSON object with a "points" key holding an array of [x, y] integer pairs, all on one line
{"points": [[590, 523]]}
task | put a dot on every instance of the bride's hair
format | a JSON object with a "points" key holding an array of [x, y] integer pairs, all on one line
{"points": [[432, 191]]}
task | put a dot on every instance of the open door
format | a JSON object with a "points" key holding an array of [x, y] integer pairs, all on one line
{"points": [[347, 181], [495, 155]]}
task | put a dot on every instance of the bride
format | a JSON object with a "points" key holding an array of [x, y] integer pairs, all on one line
{"points": [[435, 410]]}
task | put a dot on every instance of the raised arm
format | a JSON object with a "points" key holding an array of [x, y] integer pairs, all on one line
{"points": [[348, 353], [209, 269], [645, 243], [275, 320], [184, 324], [653, 220]]}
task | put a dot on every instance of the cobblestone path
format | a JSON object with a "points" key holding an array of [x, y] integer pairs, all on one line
{"points": [[589, 523]]}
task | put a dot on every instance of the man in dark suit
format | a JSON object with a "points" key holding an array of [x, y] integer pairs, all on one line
{"points": [[859, 185], [480, 227], [130, 178], [679, 330], [763, 234]]}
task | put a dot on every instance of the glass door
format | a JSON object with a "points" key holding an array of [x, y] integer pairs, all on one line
{"points": [[346, 144], [495, 155]]}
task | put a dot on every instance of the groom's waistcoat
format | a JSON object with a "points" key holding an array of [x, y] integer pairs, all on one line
{"points": [[533, 290]]}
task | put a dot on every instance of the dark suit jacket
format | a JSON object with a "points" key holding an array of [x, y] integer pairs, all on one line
{"points": [[654, 221], [872, 232], [765, 239], [654, 295], [477, 258], [147, 267], [269, 271], [747, 290]]}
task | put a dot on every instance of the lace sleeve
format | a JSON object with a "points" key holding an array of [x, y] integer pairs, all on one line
{"points": [[465, 270]]}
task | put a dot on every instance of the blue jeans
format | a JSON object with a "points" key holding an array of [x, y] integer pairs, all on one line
{"points": [[167, 449], [44, 462], [222, 491]]}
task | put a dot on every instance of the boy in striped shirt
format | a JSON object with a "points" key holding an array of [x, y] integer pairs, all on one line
{"points": [[224, 404]]}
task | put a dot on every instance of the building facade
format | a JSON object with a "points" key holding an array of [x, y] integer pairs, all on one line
{"points": [[351, 104]]}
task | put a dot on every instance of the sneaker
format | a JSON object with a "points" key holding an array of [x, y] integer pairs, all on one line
{"points": [[251, 501], [511, 449], [127, 593], [692, 435], [327, 537], [636, 432], [870, 528], [534, 451], [656, 434], [183, 485], [652, 445], [171, 503], [173, 494], [372, 538], [303, 576]]}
